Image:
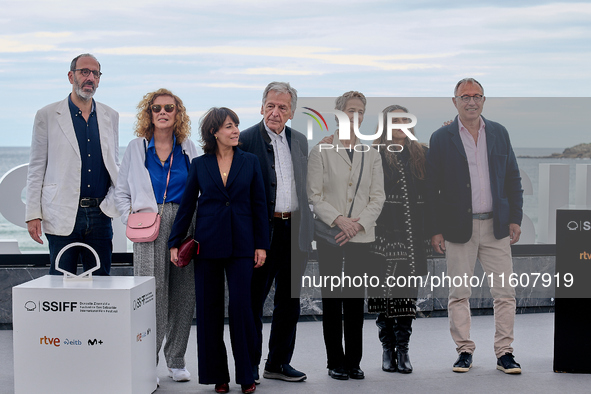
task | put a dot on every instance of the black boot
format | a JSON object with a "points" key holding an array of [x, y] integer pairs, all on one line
{"points": [[388, 339], [403, 329]]}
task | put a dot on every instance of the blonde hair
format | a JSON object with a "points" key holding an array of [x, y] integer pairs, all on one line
{"points": [[144, 126], [341, 101]]}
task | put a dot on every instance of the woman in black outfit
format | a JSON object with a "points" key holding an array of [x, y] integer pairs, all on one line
{"points": [[401, 246]]}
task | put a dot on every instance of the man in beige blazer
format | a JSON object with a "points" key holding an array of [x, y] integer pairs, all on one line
{"points": [[73, 166]]}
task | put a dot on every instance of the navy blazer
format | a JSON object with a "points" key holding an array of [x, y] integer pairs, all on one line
{"points": [[449, 188], [231, 220], [256, 140]]}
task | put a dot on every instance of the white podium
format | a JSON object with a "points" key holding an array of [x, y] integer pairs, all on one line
{"points": [[90, 337]]}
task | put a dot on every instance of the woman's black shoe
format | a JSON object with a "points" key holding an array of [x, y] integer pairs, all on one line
{"points": [[404, 365], [356, 373], [389, 361]]}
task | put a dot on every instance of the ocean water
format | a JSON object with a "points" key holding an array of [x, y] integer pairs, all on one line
{"points": [[11, 157]]}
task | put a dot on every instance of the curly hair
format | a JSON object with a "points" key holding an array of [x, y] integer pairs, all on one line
{"points": [[211, 122], [144, 127], [416, 150]]}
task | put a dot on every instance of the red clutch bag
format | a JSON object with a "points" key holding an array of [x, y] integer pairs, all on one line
{"points": [[189, 248]]}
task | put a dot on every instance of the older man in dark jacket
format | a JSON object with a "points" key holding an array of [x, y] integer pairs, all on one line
{"points": [[283, 154], [476, 202]]}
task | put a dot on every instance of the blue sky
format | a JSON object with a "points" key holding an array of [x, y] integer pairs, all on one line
{"points": [[223, 53]]}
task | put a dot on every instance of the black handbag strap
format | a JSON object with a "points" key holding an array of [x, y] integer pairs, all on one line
{"points": [[358, 182]]}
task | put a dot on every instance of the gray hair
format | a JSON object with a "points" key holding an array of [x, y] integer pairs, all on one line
{"points": [[341, 102], [75, 60], [282, 87], [467, 80]]}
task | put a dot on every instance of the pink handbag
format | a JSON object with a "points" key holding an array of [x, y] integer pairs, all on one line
{"points": [[145, 226]]}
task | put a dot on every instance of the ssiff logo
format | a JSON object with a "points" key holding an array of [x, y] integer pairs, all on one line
{"points": [[581, 226], [142, 300], [52, 306], [59, 306], [345, 132]]}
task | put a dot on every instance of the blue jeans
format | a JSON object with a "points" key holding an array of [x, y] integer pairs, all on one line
{"points": [[93, 228]]}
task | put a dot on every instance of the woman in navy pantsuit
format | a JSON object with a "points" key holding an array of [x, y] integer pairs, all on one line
{"points": [[232, 230]]}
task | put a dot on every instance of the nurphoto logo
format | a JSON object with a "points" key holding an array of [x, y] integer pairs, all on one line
{"points": [[395, 121]]}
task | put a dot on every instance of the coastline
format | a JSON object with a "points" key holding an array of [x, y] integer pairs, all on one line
{"points": [[579, 151]]}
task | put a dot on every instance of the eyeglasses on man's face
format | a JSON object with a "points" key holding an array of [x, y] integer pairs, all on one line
{"points": [[466, 99], [86, 72]]}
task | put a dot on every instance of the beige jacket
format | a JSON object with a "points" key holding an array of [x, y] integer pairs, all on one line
{"points": [[332, 180], [53, 181]]}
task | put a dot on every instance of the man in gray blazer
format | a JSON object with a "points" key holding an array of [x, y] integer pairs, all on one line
{"points": [[282, 153], [73, 168]]}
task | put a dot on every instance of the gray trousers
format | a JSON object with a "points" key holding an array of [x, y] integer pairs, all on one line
{"points": [[175, 290]]}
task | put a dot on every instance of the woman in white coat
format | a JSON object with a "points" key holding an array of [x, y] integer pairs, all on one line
{"points": [[163, 144], [348, 175]]}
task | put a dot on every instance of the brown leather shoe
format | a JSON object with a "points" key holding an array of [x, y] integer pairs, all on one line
{"points": [[222, 388], [248, 388]]}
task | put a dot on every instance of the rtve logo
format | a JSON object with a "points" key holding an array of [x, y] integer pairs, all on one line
{"points": [[57, 342], [141, 335], [49, 341], [579, 226]]}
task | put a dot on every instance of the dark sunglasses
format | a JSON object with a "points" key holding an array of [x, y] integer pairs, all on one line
{"points": [[157, 108]]}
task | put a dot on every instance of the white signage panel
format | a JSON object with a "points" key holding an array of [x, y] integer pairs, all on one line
{"points": [[88, 337]]}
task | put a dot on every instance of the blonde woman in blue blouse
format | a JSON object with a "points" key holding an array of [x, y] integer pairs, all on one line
{"points": [[163, 130]]}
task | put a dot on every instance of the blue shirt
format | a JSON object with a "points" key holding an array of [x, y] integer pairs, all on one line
{"points": [[159, 172], [95, 179]]}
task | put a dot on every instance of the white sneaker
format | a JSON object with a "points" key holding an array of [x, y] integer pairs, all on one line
{"points": [[179, 374]]}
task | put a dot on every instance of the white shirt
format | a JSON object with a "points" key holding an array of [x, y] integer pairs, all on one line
{"points": [[286, 199]]}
